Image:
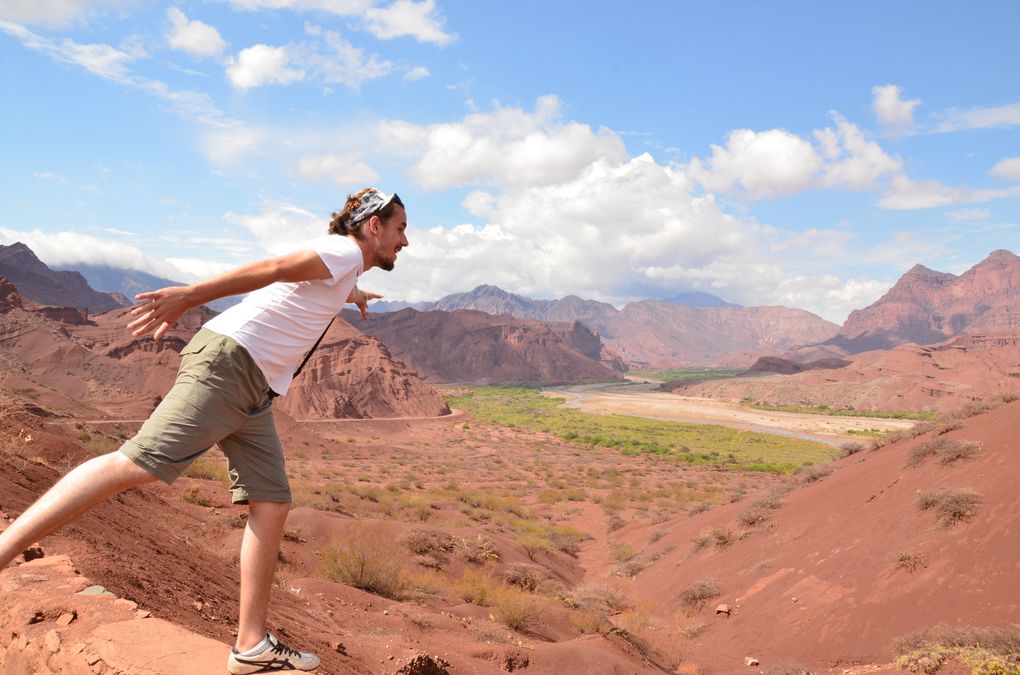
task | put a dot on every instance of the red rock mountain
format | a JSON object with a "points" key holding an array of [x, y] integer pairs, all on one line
{"points": [[939, 377], [470, 346], [38, 282], [93, 368], [925, 307], [663, 333]]}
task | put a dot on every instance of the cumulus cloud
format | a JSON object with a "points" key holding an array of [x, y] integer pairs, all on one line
{"points": [[260, 65], [905, 194], [890, 109], [408, 18], [758, 164], [342, 170], [853, 161], [192, 36], [980, 118], [1008, 168], [342, 62], [508, 146], [280, 228]]}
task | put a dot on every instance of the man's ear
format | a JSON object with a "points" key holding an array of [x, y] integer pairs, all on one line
{"points": [[374, 225]]}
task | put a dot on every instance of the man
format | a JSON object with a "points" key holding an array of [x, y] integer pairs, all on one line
{"points": [[229, 374]]}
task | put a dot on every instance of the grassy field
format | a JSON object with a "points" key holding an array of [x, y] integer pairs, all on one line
{"points": [[698, 444], [846, 412], [685, 374]]}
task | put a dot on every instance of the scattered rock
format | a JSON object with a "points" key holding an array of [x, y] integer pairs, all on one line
{"points": [[52, 642], [751, 662], [67, 618], [33, 552], [338, 647], [515, 660], [94, 590], [423, 664], [722, 608]]}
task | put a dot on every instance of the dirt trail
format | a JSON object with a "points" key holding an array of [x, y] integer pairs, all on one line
{"points": [[642, 401]]}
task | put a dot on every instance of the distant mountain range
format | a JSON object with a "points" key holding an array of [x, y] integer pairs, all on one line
{"points": [[36, 281]]}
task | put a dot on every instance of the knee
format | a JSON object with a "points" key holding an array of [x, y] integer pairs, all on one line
{"points": [[275, 511]]}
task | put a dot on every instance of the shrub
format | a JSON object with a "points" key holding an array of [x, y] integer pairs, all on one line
{"points": [[481, 550], [699, 508], [700, 542], [753, 515], [513, 608], [810, 474], [656, 536], [910, 561], [590, 623], [365, 561], [193, 495], [599, 597], [847, 449], [525, 577], [723, 537], [476, 587], [208, 468], [946, 450], [623, 552], [984, 650], [951, 506], [696, 595], [425, 542]]}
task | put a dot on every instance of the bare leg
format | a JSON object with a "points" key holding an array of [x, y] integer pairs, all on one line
{"points": [[259, 549], [74, 494]]}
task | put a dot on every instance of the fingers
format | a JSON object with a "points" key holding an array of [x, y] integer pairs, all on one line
{"points": [[371, 296], [364, 311]]}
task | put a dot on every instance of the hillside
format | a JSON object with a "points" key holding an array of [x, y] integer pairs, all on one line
{"points": [[39, 283], [471, 346]]}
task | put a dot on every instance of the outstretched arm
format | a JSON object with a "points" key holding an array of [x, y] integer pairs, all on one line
{"points": [[165, 306]]}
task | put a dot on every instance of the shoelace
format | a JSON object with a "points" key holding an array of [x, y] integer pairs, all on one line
{"points": [[281, 648]]}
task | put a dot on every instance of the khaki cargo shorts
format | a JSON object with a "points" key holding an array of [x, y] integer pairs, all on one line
{"points": [[220, 397]]}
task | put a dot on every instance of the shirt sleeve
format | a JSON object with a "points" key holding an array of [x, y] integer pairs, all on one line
{"points": [[340, 255]]}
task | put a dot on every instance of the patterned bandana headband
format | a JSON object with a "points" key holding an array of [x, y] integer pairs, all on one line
{"points": [[371, 203]]}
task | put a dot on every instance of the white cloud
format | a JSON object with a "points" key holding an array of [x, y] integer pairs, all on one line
{"points": [[68, 248], [980, 118], [1008, 168], [758, 164], [408, 18], [854, 162], [112, 64], [225, 147], [50, 176], [280, 228], [891, 110], [969, 215], [342, 170], [905, 194], [417, 73], [196, 269], [192, 36], [54, 12], [260, 65], [337, 7], [343, 63], [508, 146]]}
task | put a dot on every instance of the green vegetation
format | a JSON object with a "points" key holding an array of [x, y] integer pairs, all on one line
{"points": [[984, 650], [685, 374], [698, 444], [823, 409]]}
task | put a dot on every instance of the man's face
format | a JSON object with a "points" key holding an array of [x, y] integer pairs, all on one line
{"points": [[390, 239]]}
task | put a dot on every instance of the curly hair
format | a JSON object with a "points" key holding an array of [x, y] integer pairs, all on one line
{"points": [[342, 223]]}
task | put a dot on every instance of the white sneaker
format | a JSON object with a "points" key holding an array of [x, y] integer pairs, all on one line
{"points": [[275, 656]]}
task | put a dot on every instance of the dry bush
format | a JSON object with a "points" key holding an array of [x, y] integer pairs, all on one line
{"points": [[622, 552], [723, 537], [810, 474], [946, 450], [630, 568], [208, 467], [911, 561], [753, 515], [852, 448], [918, 429], [984, 650], [945, 426], [193, 495], [697, 594], [481, 550], [699, 508], [424, 541], [427, 581], [590, 622], [526, 577], [513, 608], [599, 597], [699, 542], [366, 561], [567, 539], [656, 536], [788, 669], [615, 522], [951, 505], [737, 495]]}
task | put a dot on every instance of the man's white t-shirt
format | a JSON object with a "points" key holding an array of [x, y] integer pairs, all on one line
{"points": [[278, 324]]}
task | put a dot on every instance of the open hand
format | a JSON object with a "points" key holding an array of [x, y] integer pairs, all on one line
{"points": [[161, 311], [361, 298]]}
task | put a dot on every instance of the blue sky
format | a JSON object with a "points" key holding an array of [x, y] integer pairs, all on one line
{"points": [[796, 153]]}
